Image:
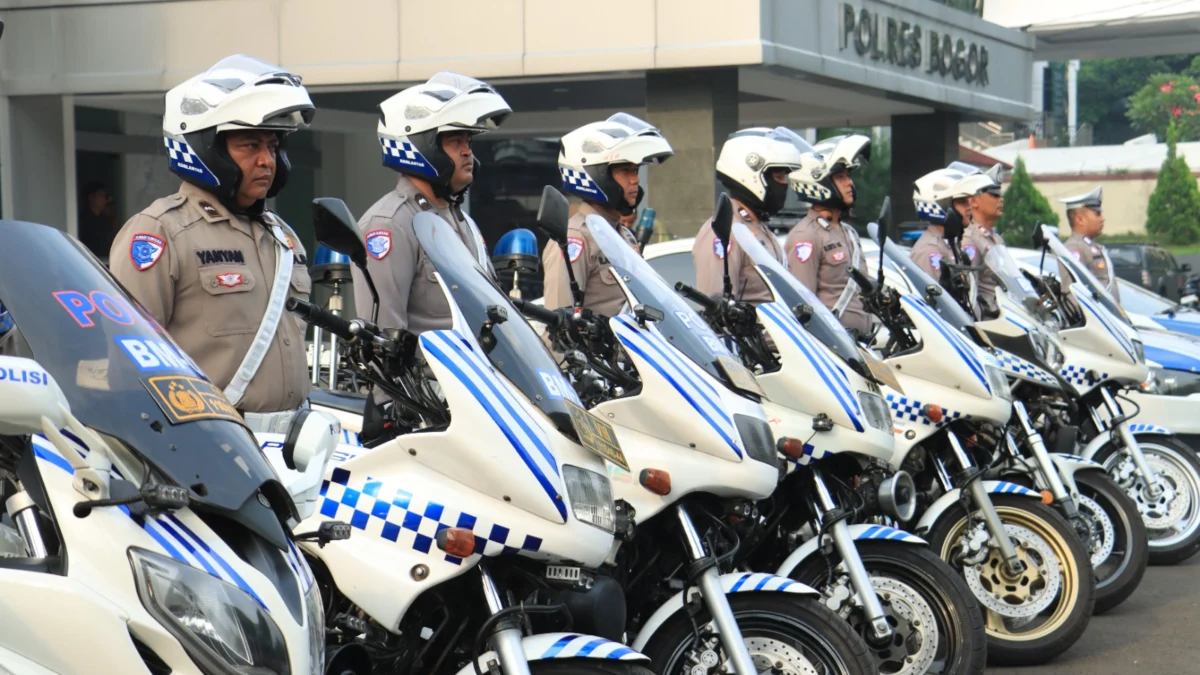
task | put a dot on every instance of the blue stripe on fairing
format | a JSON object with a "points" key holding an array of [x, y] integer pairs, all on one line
{"points": [[54, 458], [559, 645], [705, 390], [1016, 323], [542, 480], [954, 340], [841, 393], [834, 365], [237, 578], [1117, 334], [591, 646], [739, 582]]}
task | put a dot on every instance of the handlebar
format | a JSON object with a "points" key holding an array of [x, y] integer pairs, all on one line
{"points": [[321, 318], [551, 318], [709, 304], [866, 283]]}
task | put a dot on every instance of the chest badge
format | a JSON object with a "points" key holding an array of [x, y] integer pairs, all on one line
{"points": [[290, 243], [379, 243], [803, 250], [230, 279], [145, 250], [838, 256]]}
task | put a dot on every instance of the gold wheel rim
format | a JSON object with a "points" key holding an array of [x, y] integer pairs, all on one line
{"points": [[1068, 593]]}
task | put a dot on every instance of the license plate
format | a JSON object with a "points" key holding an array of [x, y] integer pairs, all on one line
{"points": [[597, 436], [562, 573], [740, 376]]}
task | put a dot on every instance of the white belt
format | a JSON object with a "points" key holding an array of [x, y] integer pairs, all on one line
{"points": [[851, 288], [270, 322], [270, 423]]}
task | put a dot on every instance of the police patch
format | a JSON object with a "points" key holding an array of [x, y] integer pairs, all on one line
{"points": [[718, 249], [379, 243], [935, 261], [574, 248], [145, 250], [970, 251], [803, 250], [838, 256], [1077, 254], [230, 279]]}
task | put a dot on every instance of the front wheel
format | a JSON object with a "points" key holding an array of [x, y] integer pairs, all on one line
{"points": [[1037, 614], [587, 666], [1172, 516], [786, 634], [937, 624], [1117, 546]]}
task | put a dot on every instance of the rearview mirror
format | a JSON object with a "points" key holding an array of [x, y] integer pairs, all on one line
{"points": [[885, 232], [722, 223], [336, 228], [553, 214]]}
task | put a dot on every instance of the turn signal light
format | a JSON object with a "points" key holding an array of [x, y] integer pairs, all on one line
{"points": [[457, 541], [1047, 497], [656, 481], [934, 413], [792, 447]]}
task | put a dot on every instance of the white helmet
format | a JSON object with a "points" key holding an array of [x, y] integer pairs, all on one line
{"points": [[410, 121], [746, 158], [974, 181], [239, 92], [813, 181], [586, 155], [934, 194]]}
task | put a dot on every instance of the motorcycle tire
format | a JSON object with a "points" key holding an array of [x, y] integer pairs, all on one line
{"points": [[1119, 574], [588, 667], [961, 641], [1061, 622], [1169, 545], [785, 632]]}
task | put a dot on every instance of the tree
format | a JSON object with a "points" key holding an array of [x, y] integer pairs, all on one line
{"points": [[1024, 208], [1105, 86], [1168, 99], [1174, 210]]}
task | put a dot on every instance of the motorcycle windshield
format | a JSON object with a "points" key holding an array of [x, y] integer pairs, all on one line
{"points": [[121, 373], [1019, 288], [790, 292], [681, 326], [519, 354], [946, 306], [1083, 275]]}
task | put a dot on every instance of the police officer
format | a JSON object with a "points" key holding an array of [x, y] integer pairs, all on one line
{"points": [[1087, 222], [985, 201], [753, 166], [939, 199], [210, 263], [425, 132], [599, 163], [821, 249]]}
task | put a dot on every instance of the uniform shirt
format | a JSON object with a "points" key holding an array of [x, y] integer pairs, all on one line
{"points": [[1093, 257], [930, 250], [977, 242], [410, 297], [819, 255], [708, 255], [601, 292], [205, 274]]}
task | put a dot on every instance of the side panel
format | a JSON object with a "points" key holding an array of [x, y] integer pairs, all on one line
{"points": [[858, 533], [564, 646], [951, 498]]}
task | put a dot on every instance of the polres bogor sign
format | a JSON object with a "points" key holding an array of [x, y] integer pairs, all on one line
{"points": [[909, 45]]}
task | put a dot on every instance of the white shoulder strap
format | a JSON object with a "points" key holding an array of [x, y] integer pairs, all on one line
{"points": [[480, 247], [270, 322], [851, 288]]}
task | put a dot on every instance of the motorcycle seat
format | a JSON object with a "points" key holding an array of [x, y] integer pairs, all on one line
{"points": [[347, 402]]}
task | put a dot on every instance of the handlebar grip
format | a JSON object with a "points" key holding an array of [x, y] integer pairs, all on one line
{"points": [[319, 317], [865, 283], [696, 296], [549, 317]]}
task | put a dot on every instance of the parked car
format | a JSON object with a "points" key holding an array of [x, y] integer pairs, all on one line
{"points": [[1150, 267]]}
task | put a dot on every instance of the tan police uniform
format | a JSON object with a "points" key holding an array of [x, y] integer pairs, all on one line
{"points": [[601, 292], [708, 255], [819, 255], [1095, 258], [977, 242], [409, 294], [930, 250], [205, 274]]}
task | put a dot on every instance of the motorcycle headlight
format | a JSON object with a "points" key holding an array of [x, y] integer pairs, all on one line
{"points": [[757, 439], [1054, 356], [1039, 341], [1174, 382], [315, 613], [222, 628], [1139, 351], [591, 497], [999, 382], [876, 410]]}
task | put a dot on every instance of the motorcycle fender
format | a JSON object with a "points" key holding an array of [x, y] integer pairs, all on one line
{"points": [[951, 498], [857, 533], [1139, 429], [735, 582], [1089, 451], [564, 646], [1068, 465]]}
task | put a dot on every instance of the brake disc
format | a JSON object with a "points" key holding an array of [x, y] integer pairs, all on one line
{"points": [[914, 642], [1021, 596], [1172, 503], [774, 656], [1104, 535]]}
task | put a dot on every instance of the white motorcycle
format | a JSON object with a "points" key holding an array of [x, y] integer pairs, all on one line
{"points": [[1021, 559], [827, 523], [698, 451], [480, 504], [144, 531]]}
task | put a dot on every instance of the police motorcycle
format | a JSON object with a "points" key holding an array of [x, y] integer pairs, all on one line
{"points": [[1021, 559], [827, 524], [143, 528], [698, 451], [1102, 356]]}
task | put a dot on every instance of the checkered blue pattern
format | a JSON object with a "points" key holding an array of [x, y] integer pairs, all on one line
{"points": [[1140, 428], [909, 410], [1078, 375], [810, 455], [184, 161], [930, 211], [811, 192], [411, 520], [582, 184], [404, 155], [1020, 366]]}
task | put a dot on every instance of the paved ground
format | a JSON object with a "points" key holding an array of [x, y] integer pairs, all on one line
{"points": [[1151, 633]]}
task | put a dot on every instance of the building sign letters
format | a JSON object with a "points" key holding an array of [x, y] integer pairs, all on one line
{"points": [[908, 45]]}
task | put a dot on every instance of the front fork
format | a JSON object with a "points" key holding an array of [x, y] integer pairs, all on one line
{"points": [[979, 495], [844, 544], [506, 639], [708, 578], [1121, 428], [1048, 470]]}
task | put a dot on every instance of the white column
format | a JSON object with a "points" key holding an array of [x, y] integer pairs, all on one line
{"points": [[1039, 75], [37, 135], [70, 189], [1072, 98]]}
